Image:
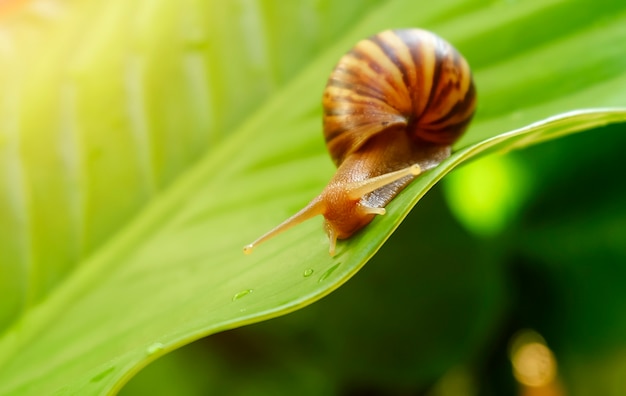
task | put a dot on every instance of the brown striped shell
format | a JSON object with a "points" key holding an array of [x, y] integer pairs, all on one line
{"points": [[393, 106], [410, 79]]}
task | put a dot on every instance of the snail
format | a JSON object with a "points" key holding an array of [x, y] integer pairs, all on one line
{"points": [[393, 106]]}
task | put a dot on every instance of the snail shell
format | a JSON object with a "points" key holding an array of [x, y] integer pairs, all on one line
{"points": [[393, 106], [409, 79]]}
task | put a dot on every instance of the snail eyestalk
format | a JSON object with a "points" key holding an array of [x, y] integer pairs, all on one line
{"points": [[358, 189], [313, 209], [248, 248]]}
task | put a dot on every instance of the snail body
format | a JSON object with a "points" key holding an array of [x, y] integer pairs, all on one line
{"points": [[393, 107]]}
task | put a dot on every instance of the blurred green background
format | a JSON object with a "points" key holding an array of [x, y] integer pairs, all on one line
{"points": [[534, 239]]}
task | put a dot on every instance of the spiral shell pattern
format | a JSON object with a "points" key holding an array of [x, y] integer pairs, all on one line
{"points": [[410, 79]]}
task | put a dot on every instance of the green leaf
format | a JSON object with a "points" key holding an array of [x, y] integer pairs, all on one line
{"points": [[121, 235]]}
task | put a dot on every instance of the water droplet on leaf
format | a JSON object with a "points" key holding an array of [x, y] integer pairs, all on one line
{"points": [[154, 348], [241, 294]]}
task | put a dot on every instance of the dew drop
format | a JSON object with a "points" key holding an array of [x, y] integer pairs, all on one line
{"points": [[328, 272], [241, 294], [154, 348], [308, 272]]}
